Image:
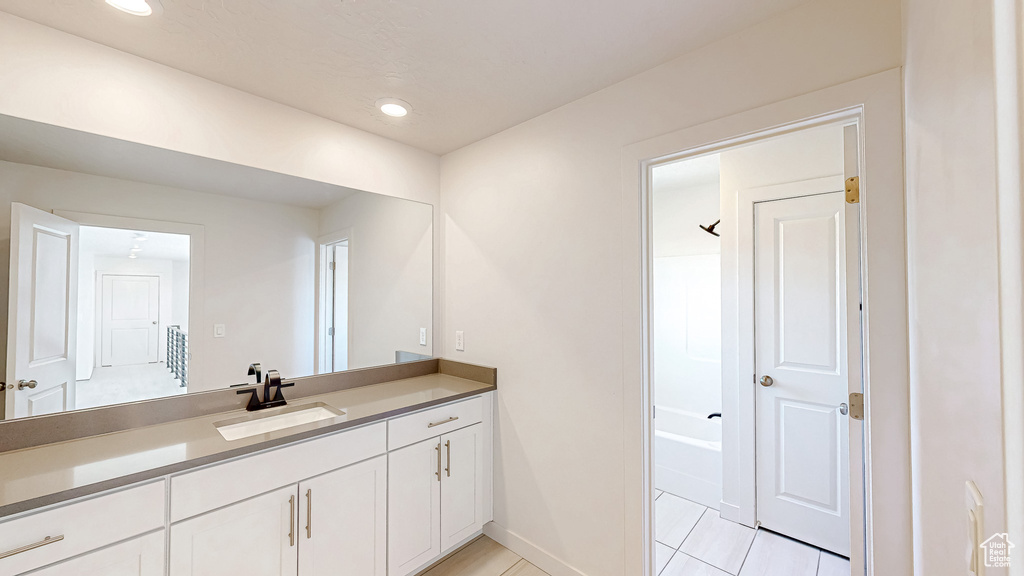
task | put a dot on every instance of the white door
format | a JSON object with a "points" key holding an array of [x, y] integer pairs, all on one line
{"points": [[343, 521], [143, 556], [462, 487], [42, 317], [414, 506], [800, 302], [130, 323], [256, 537]]}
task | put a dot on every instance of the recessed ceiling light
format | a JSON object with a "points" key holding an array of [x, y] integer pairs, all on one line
{"points": [[394, 107], [136, 249], [134, 7], [133, 255], [140, 238]]}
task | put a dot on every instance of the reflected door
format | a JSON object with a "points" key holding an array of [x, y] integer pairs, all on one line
{"points": [[802, 436], [41, 332], [131, 319]]}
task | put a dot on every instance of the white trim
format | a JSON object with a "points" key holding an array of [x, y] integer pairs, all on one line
{"points": [[1008, 17], [875, 102], [529, 551], [319, 300], [196, 272]]}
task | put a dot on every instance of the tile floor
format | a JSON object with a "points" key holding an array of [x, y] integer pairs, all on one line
{"points": [[118, 384], [484, 557], [693, 540]]}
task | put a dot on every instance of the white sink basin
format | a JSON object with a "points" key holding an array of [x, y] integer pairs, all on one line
{"points": [[274, 419]]}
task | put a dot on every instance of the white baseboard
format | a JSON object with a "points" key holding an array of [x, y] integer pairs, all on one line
{"points": [[729, 512], [529, 551]]}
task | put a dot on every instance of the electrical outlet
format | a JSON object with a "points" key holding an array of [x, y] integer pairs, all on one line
{"points": [[218, 330], [423, 336], [460, 341]]}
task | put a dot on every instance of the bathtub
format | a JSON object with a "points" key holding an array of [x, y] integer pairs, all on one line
{"points": [[688, 455]]}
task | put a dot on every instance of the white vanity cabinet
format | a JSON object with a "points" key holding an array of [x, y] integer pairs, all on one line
{"points": [[438, 492], [143, 556], [255, 537], [343, 521], [44, 538]]}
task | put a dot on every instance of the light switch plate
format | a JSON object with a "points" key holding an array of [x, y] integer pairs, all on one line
{"points": [[460, 341], [423, 336], [218, 330]]}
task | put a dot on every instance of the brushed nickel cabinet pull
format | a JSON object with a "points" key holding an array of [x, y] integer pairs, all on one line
{"points": [[452, 419], [291, 520], [448, 451], [41, 543], [309, 513], [438, 448]]}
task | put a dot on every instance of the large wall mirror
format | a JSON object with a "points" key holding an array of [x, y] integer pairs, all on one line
{"points": [[134, 273]]}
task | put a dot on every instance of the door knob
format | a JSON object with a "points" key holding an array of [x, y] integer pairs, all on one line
{"points": [[844, 409], [3, 386], [767, 381], [22, 384], [154, 322]]}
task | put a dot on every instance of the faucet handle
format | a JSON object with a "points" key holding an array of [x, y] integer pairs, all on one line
{"points": [[257, 370]]}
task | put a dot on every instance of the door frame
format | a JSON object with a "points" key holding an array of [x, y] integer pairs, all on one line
{"points": [[747, 349], [320, 298], [196, 273], [874, 104]]}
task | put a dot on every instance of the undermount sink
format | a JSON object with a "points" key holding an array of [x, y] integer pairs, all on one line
{"points": [[275, 419]]}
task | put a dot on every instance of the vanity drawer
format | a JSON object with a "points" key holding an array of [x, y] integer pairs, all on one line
{"points": [[410, 429], [196, 492], [80, 527]]}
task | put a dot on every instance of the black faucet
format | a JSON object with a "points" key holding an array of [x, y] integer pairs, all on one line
{"points": [[714, 414], [273, 380]]}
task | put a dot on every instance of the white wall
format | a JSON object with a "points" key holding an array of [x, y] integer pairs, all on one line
{"points": [[389, 295], [259, 260], [953, 275], [687, 306], [533, 263]]}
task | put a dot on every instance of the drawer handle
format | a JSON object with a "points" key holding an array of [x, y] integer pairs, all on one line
{"points": [[452, 419], [43, 542]]}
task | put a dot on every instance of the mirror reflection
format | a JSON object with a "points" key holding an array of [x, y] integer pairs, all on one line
{"points": [[137, 273]]}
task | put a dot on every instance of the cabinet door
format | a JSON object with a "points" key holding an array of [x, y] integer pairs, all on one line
{"points": [[343, 521], [462, 485], [256, 537], [414, 506], [143, 556]]}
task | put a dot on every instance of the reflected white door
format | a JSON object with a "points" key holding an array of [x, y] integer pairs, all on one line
{"points": [[41, 331], [800, 301], [131, 320], [340, 321]]}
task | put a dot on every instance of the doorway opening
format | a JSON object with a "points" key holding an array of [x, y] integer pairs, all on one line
{"points": [[755, 343], [333, 323], [133, 315]]}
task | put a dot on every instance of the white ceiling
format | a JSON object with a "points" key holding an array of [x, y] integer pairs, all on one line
{"points": [[469, 68], [118, 243]]}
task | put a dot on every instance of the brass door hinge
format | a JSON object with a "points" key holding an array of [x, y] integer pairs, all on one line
{"points": [[857, 406], [853, 190]]}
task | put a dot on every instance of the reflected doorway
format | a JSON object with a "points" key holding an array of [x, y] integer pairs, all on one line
{"points": [[133, 300], [334, 325]]}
